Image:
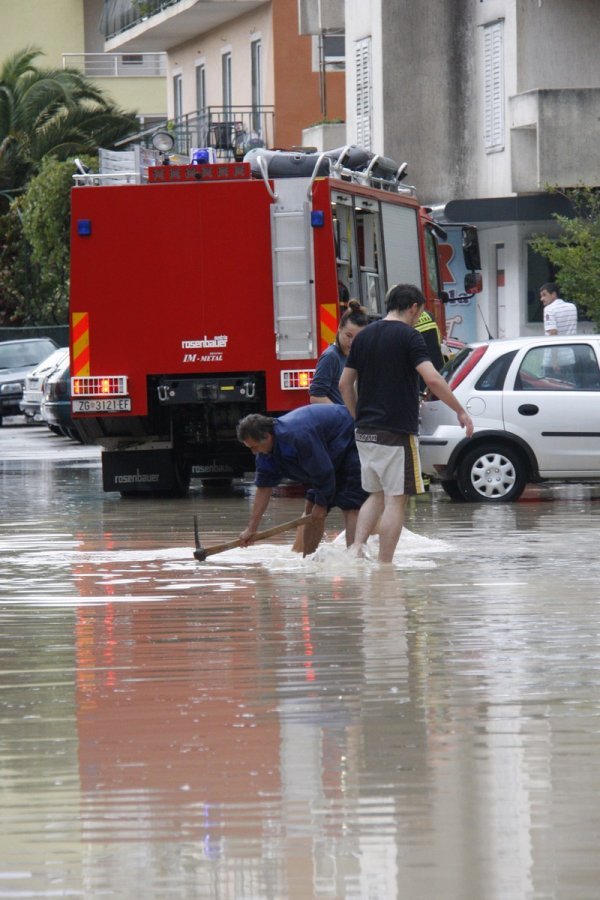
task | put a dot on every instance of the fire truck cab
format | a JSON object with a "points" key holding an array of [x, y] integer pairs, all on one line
{"points": [[206, 292]]}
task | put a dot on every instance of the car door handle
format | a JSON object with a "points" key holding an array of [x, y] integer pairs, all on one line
{"points": [[529, 409]]}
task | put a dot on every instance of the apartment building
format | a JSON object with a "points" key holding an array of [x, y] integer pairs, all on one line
{"points": [[489, 102], [69, 34], [238, 72]]}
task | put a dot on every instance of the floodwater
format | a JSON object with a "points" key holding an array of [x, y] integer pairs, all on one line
{"points": [[262, 727]]}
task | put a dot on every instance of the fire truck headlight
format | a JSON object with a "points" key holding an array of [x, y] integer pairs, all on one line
{"points": [[163, 141]]}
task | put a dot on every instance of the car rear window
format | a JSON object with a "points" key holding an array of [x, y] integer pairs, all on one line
{"points": [[24, 353], [493, 377], [457, 368], [454, 364]]}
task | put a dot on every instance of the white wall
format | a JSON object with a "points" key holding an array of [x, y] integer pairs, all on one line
{"points": [[237, 36], [364, 19]]}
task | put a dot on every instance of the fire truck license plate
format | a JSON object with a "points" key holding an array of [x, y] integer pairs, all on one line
{"points": [[104, 404]]}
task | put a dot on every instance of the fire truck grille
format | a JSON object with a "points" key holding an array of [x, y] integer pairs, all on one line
{"points": [[296, 379], [99, 386]]}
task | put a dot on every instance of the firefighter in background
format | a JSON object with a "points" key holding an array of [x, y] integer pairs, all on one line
{"points": [[427, 326], [431, 335]]}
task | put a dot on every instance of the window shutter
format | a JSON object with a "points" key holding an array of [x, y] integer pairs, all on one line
{"points": [[493, 53], [363, 92]]}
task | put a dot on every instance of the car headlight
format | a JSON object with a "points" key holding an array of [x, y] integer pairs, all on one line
{"points": [[11, 387]]}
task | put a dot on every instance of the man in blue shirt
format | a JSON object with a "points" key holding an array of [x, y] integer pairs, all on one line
{"points": [[313, 445]]}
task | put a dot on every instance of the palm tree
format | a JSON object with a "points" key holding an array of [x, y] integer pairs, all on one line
{"points": [[51, 112]]}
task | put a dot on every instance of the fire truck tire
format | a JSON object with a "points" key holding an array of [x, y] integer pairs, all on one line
{"points": [[216, 483], [182, 479]]}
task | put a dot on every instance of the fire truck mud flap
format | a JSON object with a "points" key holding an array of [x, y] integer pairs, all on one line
{"points": [[134, 472]]}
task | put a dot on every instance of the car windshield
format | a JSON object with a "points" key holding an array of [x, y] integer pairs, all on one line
{"points": [[24, 353]]}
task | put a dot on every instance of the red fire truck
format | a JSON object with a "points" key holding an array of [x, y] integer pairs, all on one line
{"points": [[206, 292]]}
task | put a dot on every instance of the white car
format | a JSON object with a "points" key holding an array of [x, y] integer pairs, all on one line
{"points": [[32, 392], [535, 404]]}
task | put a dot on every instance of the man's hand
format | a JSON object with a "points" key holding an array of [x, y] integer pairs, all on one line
{"points": [[466, 421], [246, 536]]}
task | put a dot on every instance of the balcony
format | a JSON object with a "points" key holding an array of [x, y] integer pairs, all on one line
{"points": [[117, 65], [554, 138], [154, 25], [229, 131]]}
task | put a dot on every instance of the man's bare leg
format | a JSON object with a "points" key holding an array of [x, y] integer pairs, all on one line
{"points": [[313, 532], [350, 519], [298, 545], [390, 526], [368, 516]]}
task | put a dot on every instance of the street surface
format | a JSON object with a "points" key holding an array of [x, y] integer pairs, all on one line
{"points": [[262, 726]]}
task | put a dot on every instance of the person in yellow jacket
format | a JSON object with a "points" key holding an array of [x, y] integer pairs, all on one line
{"points": [[431, 334], [427, 326]]}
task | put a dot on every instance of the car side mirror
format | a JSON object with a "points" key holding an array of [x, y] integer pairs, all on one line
{"points": [[470, 245], [473, 283]]}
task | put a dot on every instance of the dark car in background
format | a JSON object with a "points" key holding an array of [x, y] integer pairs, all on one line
{"points": [[17, 360], [55, 407], [32, 393]]}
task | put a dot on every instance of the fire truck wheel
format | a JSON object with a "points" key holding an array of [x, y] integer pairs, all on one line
{"points": [[216, 483], [182, 477]]}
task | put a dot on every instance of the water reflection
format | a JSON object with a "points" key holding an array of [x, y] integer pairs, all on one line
{"points": [[263, 726]]}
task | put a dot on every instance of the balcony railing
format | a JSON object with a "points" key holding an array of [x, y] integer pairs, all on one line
{"points": [[119, 15], [230, 131], [117, 65]]}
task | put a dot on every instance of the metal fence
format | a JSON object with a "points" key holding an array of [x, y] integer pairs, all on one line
{"points": [[119, 15], [118, 65], [230, 131]]}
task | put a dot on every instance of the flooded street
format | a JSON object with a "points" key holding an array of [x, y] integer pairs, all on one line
{"points": [[262, 727]]}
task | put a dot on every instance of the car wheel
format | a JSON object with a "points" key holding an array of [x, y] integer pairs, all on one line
{"points": [[452, 490], [492, 473]]}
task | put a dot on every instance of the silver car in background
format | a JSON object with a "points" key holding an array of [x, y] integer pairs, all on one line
{"points": [[535, 404], [18, 359], [32, 392]]}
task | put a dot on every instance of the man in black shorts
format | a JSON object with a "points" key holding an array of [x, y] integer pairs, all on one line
{"points": [[380, 387]]}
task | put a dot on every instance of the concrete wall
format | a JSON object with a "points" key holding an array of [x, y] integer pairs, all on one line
{"points": [[428, 98], [557, 44], [424, 108], [55, 26]]}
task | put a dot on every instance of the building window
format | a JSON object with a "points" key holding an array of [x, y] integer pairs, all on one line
{"points": [[362, 54], [200, 87], [493, 70], [329, 51], [334, 50], [226, 82], [177, 96], [257, 87]]}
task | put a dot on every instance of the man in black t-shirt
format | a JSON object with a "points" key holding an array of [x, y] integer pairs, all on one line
{"points": [[380, 387]]}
